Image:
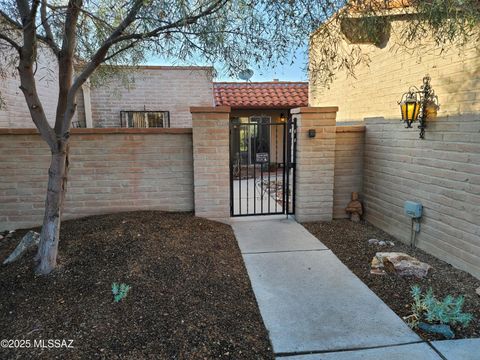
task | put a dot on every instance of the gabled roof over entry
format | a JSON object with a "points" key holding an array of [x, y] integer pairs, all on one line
{"points": [[261, 95]]}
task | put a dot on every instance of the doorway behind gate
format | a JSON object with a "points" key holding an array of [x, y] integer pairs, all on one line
{"points": [[262, 166]]}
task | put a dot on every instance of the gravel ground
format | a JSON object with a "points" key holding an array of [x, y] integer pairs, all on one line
{"points": [[190, 299], [349, 242]]}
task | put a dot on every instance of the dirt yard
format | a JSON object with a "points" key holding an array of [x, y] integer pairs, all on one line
{"points": [[349, 241], [190, 295]]}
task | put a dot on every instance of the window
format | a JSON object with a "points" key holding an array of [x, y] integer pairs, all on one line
{"points": [[145, 119]]}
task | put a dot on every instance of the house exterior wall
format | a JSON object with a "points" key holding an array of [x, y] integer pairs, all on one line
{"points": [[155, 88], [442, 172], [111, 170], [16, 113], [349, 150], [378, 86]]}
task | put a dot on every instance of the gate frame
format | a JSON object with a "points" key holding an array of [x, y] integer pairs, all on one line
{"points": [[289, 146]]}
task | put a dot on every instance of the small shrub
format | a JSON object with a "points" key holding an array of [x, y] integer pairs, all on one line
{"points": [[427, 308], [119, 291]]}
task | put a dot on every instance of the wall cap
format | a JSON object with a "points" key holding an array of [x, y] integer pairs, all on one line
{"points": [[314, 110], [207, 109], [80, 131], [350, 128]]}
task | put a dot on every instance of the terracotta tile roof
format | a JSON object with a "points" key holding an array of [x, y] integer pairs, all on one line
{"points": [[265, 95]]}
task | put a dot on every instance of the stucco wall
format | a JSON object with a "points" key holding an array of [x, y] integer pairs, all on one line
{"points": [[154, 88], [16, 113], [349, 149], [315, 163], [376, 88], [442, 172], [110, 171]]}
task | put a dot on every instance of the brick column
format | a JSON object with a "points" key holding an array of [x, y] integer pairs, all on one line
{"points": [[211, 169], [315, 163]]}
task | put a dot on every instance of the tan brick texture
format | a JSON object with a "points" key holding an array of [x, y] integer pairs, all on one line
{"points": [[210, 128], [158, 88], [349, 148], [379, 84], [15, 114], [109, 172], [442, 172], [315, 163]]}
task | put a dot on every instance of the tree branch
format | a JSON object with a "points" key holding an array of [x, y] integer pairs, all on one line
{"points": [[125, 48], [11, 42], [95, 62], [48, 31], [65, 64], [19, 26], [27, 77], [189, 20]]}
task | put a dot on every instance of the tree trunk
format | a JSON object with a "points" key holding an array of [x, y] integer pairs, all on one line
{"points": [[49, 236]]}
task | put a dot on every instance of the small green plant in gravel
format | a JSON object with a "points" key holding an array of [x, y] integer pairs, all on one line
{"points": [[119, 291], [433, 315]]}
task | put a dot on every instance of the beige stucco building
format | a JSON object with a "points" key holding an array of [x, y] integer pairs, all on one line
{"points": [[159, 95], [390, 164]]}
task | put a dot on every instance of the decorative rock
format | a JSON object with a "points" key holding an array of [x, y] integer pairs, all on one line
{"points": [[380, 242], [478, 291], [441, 329], [1, 237], [30, 239], [400, 264]]}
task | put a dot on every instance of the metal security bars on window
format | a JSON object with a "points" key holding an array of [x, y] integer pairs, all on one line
{"points": [[145, 119]]}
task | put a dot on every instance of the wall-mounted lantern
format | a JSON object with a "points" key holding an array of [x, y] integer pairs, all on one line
{"points": [[419, 105], [282, 118]]}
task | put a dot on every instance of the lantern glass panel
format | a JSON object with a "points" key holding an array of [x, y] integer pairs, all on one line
{"points": [[410, 110]]}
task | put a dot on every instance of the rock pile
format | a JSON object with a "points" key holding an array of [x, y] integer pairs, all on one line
{"points": [[380, 242]]}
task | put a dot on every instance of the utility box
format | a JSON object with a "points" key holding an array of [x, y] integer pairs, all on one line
{"points": [[413, 209]]}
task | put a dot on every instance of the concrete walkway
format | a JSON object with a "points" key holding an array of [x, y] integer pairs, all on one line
{"points": [[313, 306]]}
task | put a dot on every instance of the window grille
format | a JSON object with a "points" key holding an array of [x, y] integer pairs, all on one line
{"points": [[145, 119]]}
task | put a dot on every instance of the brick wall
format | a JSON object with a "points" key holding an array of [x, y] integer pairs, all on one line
{"points": [[349, 146], [378, 86], [110, 171], [16, 113], [156, 88], [442, 172], [211, 157], [315, 163]]}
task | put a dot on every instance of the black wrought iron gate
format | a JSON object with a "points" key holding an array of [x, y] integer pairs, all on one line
{"points": [[262, 167]]}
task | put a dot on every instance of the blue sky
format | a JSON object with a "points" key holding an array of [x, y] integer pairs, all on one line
{"points": [[289, 72]]}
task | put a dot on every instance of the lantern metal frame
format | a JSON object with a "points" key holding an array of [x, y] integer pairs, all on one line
{"points": [[423, 97]]}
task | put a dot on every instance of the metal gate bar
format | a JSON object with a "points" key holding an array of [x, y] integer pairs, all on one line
{"points": [[251, 148]]}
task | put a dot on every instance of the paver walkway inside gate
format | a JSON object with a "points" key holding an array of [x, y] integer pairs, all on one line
{"points": [[313, 304]]}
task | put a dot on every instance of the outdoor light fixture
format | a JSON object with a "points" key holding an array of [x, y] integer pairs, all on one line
{"points": [[282, 117], [419, 105]]}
